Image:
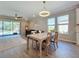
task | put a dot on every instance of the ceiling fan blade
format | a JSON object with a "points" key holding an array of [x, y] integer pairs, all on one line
{"points": [[19, 17]]}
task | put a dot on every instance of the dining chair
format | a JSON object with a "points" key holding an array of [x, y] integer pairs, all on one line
{"points": [[46, 43], [55, 40]]}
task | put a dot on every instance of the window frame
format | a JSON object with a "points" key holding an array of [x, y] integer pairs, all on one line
{"points": [[63, 24], [52, 24]]}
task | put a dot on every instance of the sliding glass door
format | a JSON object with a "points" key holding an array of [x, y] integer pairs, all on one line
{"points": [[16, 27], [9, 28]]}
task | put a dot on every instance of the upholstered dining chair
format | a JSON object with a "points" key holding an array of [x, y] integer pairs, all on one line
{"points": [[55, 39]]}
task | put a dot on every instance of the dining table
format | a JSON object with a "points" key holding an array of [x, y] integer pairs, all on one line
{"points": [[40, 37]]}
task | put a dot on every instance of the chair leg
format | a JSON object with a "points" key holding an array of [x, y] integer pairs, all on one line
{"points": [[47, 50], [36, 42], [32, 43], [36, 45], [56, 44]]}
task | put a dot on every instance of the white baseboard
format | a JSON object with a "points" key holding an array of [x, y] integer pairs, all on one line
{"points": [[69, 41]]}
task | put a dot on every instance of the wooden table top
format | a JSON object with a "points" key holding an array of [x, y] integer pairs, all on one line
{"points": [[39, 36]]}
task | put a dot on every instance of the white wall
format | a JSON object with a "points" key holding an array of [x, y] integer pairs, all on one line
{"points": [[39, 24]]}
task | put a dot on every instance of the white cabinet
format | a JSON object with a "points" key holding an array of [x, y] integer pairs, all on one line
{"points": [[77, 16], [77, 25], [77, 28], [77, 38]]}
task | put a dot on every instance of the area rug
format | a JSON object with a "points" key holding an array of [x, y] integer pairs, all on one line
{"points": [[8, 42]]}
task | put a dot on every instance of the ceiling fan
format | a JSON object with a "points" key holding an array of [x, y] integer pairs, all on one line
{"points": [[17, 17]]}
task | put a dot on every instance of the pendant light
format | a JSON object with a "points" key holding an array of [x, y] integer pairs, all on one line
{"points": [[44, 12]]}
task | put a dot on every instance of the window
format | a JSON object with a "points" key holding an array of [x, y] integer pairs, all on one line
{"points": [[63, 24], [63, 29], [51, 24]]}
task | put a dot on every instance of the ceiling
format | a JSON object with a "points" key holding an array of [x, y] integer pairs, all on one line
{"points": [[29, 9]]}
